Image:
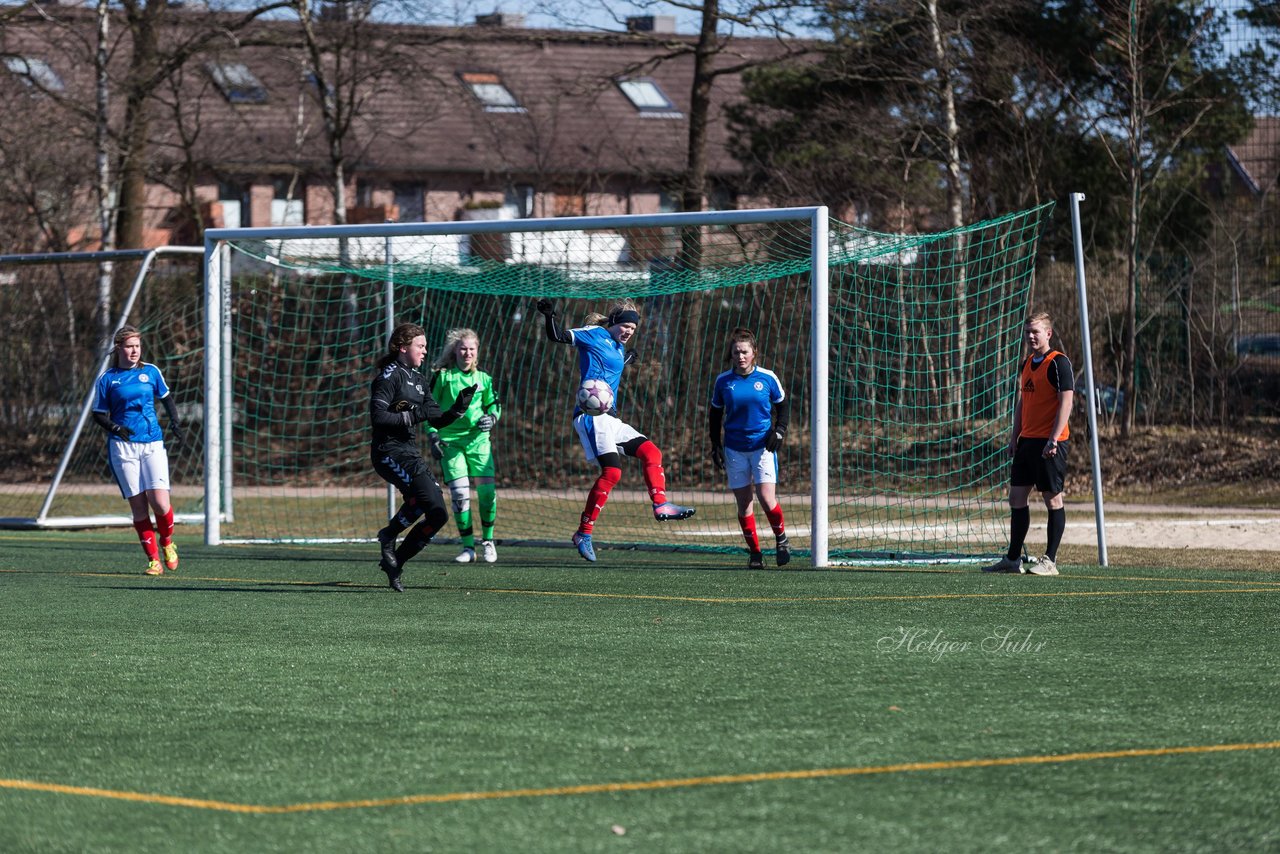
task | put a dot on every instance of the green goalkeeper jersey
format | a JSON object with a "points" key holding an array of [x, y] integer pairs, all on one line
{"points": [[445, 387]]}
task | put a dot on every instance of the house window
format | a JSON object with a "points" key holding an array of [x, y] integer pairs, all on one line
{"points": [[520, 199], [408, 199], [235, 204], [236, 83], [647, 97], [364, 193], [722, 198], [286, 210], [34, 72], [491, 92]]}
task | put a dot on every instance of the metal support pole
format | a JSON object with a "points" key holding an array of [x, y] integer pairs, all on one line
{"points": [[1087, 346]]}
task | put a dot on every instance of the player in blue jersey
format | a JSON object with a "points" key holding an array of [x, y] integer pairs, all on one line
{"points": [[399, 400], [602, 354], [750, 407], [124, 405]]}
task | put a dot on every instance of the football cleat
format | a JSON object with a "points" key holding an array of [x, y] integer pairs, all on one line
{"points": [[755, 560], [1044, 566], [489, 550], [387, 545], [393, 576], [783, 555], [669, 511], [1005, 565], [154, 568], [170, 553], [467, 555], [585, 547]]}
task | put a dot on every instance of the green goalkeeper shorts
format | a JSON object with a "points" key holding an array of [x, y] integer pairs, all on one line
{"points": [[475, 461]]}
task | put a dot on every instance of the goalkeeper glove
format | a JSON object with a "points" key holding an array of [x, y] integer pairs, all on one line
{"points": [[437, 447], [717, 456], [485, 423], [122, 431], [545, 307], [773, 441], [630, 357], [179, 436]]}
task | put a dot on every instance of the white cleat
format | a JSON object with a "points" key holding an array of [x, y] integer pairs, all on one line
{"points": [[467, 555], [1043, 566], [489, 550]]}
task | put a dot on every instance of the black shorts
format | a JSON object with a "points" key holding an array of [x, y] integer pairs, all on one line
{"points": [[1031, 468], [405, 469]]}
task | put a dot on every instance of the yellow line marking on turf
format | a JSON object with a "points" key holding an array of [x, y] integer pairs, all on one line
{"points": [[635, 785]]}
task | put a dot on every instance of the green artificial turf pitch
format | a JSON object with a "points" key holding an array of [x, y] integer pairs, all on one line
{"points": [[283, 699]]}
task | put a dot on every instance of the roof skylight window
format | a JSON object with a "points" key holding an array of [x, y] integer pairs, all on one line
{"points": [[647, 97], [34, 72], [237, 83], [491, 92]]}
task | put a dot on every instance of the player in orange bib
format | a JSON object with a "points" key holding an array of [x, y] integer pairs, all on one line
{"points": [[1038, 445]]}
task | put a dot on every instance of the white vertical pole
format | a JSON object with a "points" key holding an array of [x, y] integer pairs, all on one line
{"points": [[212, 392], [228, 381], [1087, 346], [819, 394], [390, 327]]}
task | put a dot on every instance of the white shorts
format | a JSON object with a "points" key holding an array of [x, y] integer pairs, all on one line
{"points": [[747, 467], [139, 466], [603, 434]]}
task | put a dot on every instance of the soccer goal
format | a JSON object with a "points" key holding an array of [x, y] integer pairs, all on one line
{"points": [[53, 463], [898, 352]]}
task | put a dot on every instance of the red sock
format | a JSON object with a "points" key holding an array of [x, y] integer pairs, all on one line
{"points": [[748, 525], [147, 535], [596, 498], [775, 520], [654, 478], [164, 527]]}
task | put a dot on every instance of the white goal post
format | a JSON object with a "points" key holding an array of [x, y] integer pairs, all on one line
{"points": [[219, 486], [45, 518]]}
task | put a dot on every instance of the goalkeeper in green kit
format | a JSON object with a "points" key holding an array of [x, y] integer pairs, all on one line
{"points": [[463, 447]]}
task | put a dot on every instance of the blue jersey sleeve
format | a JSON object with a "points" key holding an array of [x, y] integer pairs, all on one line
{"points": [[100, 394], [157, 379], [717, 392]]}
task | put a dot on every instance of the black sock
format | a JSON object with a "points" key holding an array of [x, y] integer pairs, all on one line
{"points": [[1057, 524], [1019, 524], [412, 544]]}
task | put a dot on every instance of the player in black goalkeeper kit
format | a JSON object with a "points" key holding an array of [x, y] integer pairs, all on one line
{"points": [[398, 402]]}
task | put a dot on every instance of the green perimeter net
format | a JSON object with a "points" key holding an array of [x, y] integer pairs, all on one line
{"points": [[924, 341]]}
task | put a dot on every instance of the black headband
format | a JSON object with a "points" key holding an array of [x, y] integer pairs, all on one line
{"points": [[623, 315]]}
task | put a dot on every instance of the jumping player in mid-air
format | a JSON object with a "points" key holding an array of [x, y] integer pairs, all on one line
{"points": [[463, 447], [748, 403], [602, 355], [398, 402]]}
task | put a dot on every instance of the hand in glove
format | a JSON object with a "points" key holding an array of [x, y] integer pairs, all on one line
{"points": [[122, 431], [545, 307], [179, 436], [630, 357], [773, 441], [717, 457], [485, 423], [437, 447]]}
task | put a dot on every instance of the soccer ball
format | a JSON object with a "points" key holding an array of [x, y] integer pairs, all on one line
{"points": [[595, 397]]}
